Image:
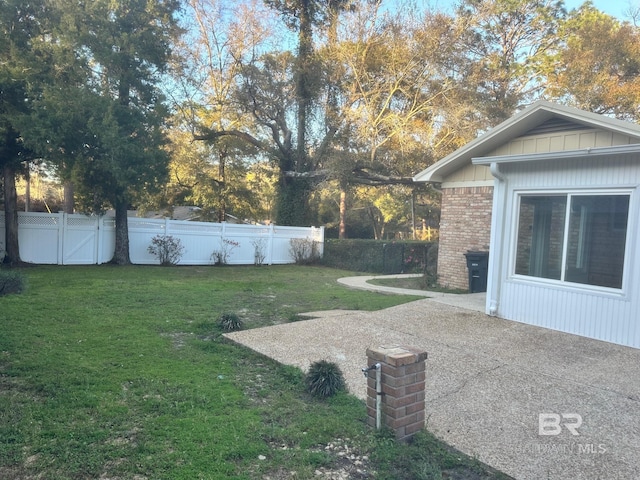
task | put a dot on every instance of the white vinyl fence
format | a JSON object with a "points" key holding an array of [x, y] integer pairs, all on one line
{"points": [[64, 239]]}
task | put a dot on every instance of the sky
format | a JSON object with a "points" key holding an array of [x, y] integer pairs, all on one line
{"points": [[615, 8]]}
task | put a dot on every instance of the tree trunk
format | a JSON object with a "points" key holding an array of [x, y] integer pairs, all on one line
{"points": [[377, 233], [293, 199], [12, 249], [68, 196], [413, 214], [222, 208], [302, 83], [121, 254], [343, 213], [293, 194], [27, 192]]}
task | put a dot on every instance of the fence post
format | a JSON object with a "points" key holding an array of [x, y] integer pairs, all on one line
{"points": [[320, 234], [270, 243], [99, 224], [62, 233]]}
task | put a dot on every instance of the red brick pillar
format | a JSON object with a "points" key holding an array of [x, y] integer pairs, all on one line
{"points": [[403, 383]]}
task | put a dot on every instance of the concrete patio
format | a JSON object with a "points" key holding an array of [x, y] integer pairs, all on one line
{"points": [[491, 383]]}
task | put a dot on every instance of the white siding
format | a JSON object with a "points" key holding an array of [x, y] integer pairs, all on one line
{"points": [[569, 310], [612, 316]]}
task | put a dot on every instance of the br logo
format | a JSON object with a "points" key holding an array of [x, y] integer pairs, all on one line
{"points": [[552, 423]]}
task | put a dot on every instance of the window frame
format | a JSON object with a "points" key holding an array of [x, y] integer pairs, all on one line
{"points": [[569, 193]]}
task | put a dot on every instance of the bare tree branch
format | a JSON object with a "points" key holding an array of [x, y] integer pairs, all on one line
{"points": [[212, 135], [360, 176], [366, 177]]}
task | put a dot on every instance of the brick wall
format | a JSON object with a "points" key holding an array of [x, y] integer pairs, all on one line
{"points": [[465, 224]]}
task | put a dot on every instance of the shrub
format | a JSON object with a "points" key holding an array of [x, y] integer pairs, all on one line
{"points": [[221, 257], [303, 250], [11, 282], [259, 254], [230, 322], [324, 379], [430, 278], [168, 249]]}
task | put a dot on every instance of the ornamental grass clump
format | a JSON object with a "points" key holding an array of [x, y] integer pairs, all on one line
{"points": [[324, 379], [11, 282], [230, 322]]}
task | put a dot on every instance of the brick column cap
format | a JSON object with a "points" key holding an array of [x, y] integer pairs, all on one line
{"points": [[397, 356]]}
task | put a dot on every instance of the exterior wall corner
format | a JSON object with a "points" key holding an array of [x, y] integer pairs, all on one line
{"points": [[465, 224]]}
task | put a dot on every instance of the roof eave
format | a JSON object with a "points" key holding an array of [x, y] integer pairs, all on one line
{"points": [[562, 155], [515, 126]]}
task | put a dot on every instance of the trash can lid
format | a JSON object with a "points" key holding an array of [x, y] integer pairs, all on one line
{"points": [[476, 253]]}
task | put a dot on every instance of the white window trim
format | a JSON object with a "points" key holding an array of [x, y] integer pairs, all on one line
{"points": [[517, 194]]}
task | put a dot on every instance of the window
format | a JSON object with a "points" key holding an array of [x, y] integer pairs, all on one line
{"points": [[575, 238]]}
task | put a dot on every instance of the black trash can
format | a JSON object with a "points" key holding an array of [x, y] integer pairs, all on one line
{"points": [[478, 266]]}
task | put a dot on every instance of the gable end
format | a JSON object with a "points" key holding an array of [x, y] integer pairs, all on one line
{"points": [[555, 125], [541, 128]]}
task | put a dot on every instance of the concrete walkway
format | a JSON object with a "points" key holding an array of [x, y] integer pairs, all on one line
{"points": [[470, 301], [488, 382]]}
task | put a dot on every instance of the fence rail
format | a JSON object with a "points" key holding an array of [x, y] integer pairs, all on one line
{"points": [[65, 239]]}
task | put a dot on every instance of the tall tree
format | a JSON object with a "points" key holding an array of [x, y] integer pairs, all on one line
{"points": [[596, 64], [295, 100], [127, 45], [394, 88], [278, 91], [99, 117], [22, 34], [221, 39], [212, 177], [506, 41], [11, 158], [301, 16]]}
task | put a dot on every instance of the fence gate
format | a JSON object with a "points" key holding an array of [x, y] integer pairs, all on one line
{"points": [[80, 245]]}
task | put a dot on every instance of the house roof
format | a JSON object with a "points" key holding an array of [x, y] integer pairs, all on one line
{"points": [[526, 121]]}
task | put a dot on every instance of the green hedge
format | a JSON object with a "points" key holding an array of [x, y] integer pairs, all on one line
{"points": [[377, 256]]}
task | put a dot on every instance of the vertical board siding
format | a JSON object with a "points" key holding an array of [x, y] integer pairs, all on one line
{"points": [[559, 141], [609, 316], [589, 315], [84, 240]]}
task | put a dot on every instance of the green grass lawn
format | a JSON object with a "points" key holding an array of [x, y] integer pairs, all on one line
{"points": [[122, 373]]}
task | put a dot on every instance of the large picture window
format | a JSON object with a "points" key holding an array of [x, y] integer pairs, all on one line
{"points": [[577, 238]]}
